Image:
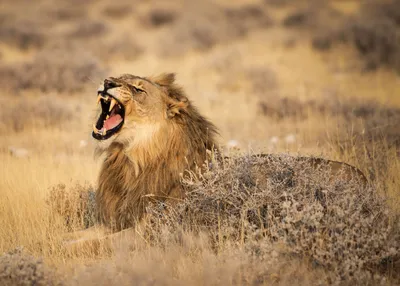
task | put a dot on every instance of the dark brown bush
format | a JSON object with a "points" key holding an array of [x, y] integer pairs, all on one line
{"points": [[298, 18], [159, 17], [378, 40]]}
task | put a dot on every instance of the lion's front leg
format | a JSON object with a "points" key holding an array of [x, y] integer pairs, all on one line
{"points": [[100, 239], [86, 241]]}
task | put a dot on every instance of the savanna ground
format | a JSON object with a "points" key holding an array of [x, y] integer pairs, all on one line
{"points": [[309, 78]]}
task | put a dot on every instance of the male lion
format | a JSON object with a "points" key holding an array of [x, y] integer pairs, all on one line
{"points": [[150, 134]]}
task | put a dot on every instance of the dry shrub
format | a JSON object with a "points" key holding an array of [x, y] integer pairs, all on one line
{"points": [[248, 17], [260, 203], [312, 16], [377, 40], [75, 204], [23, 35], [63, 12], [299, 18], [281, 108], [19, 268], [378, 119], [61, 69], [39, 113], [160, 16], [376, 33]]}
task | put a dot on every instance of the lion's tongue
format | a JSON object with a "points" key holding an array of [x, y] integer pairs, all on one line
{"points": [[112, 121]]}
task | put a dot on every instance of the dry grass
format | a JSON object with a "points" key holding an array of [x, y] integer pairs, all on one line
{"points": [[264, 86]]}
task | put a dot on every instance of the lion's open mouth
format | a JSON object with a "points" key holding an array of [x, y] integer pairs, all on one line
{"points": [[111, 118]]}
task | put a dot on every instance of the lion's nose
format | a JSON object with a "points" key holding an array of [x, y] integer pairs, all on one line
{"points": [[108, 84]]}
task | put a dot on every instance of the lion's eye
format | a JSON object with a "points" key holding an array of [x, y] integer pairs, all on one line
{"points": [[135, 89]]}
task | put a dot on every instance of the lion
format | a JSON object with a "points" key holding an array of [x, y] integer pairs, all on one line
{"points": [[150, 133], [153, 134]]}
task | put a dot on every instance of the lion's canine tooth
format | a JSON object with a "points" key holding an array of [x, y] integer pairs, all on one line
{"points": [[104, 131], [108, 116], [113, 102], [95, 129]]}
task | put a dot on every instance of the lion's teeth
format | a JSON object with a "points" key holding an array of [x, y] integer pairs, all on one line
{"points": [[108, 116], [113, 102], [98, 99], [102, 131], [95, 129]]}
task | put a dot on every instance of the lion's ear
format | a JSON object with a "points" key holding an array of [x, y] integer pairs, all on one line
{"points": [[164, 79], [176, 99], [175, 107]]}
